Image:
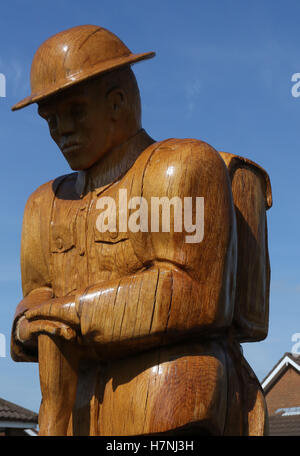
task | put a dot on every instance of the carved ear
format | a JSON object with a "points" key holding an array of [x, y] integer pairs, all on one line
{"points": [[116, 99]]}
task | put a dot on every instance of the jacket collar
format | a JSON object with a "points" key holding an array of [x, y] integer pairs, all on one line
{"points": [[113, 166]]}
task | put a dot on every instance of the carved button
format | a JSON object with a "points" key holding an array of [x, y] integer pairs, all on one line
{"points": [[59, 243], [113, 234]]}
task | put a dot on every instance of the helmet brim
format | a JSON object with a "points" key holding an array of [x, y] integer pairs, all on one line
{"points": [[102, 67]]}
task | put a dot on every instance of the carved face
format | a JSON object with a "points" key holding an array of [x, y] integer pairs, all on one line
{"points": [[81, 122]]}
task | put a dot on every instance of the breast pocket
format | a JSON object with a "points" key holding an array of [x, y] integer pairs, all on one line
{"points": [[106, 225], [62, 237], [109, 237], [115, 252], [112, 244], [64, 259]]}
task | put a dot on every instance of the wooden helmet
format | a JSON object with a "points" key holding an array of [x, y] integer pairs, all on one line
{"points": [[73, 56]]}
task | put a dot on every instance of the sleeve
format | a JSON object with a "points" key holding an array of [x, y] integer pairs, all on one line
{"points": [[186, 289], [36, 281]]}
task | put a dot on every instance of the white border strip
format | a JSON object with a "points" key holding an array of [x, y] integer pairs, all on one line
{"points": [[286, 360]]}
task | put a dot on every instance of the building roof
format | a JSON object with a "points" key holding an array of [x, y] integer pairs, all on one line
{"points": [[286, 361], [12, 412], [284, 425]]}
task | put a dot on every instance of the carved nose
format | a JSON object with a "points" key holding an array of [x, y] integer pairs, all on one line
{"points": [[66, 125]]}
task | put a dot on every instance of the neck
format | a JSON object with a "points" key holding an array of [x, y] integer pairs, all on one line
{"points": [[114, 164]]}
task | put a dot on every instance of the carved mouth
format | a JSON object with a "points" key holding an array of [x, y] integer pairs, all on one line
{"points": [[69, 148]]}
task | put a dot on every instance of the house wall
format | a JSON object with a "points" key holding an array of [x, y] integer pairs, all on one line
{"points": [[285, 392]]}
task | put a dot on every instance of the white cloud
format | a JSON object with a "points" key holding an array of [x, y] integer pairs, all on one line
{"points": [[192, 92]]}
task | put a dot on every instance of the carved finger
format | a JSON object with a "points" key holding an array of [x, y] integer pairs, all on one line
{"points": [[42, 310], [55, 309], [52, 328], [22, 333]]}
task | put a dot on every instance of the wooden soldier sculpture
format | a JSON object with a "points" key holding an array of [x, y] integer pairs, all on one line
{"points": [[137, 327]]}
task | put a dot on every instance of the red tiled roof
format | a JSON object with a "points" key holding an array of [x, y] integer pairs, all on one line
{"points": [[284, 425], [13, 412]]}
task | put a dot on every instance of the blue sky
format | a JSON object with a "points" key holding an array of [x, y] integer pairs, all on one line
{"points": [[222, 74]]}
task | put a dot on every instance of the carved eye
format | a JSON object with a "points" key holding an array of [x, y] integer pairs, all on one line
{"points": [[78, 111]]}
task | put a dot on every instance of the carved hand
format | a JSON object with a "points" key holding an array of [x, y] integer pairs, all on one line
{"points": [[28, 330], [55, 317]]}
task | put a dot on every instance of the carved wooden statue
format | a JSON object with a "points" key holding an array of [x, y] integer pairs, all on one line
{"points": [[137, 327]]}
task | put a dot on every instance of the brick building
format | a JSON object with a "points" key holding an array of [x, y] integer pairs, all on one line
{"points": [[282, 391], [16, 420]]}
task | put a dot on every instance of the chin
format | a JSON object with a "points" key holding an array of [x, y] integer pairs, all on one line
{"points": [[76, 163], [77, 167]]}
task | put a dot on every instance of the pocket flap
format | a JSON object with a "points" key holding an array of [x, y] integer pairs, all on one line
{"points": [[109, 237], [62, 238]]}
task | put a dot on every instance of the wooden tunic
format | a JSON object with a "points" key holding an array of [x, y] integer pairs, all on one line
{"points": [[158, 321]]}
